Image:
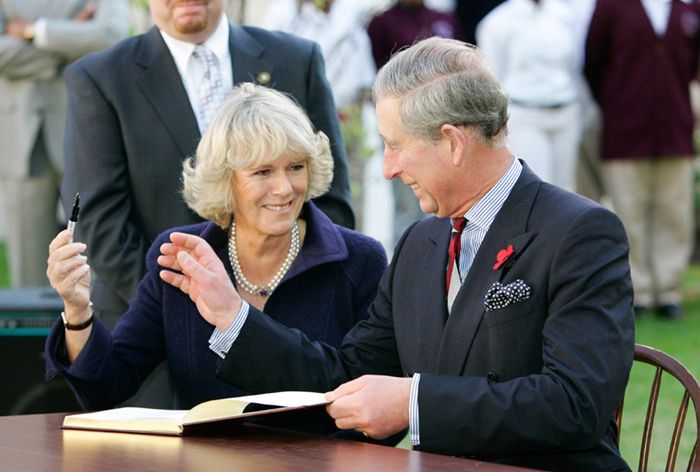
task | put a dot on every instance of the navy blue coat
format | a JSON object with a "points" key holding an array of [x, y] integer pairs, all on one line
{"points": [[326, 291]]}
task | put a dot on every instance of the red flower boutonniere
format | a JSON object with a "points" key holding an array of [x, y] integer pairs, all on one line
{"points": [[502, 256]]}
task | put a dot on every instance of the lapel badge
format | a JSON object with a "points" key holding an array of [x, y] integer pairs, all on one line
{"points": [[263, 78]]}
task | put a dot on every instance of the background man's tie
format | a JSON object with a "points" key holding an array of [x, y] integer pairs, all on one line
{"points": [[452, 280], [210, 94]]}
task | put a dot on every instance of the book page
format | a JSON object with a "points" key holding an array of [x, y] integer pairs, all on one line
{"points": [[232, 407], [133, 413], [128, 419], [286, 398], [215, 409]]}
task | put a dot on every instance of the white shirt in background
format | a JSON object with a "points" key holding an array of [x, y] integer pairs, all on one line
{"points": [[658, 12], [533, 50]]}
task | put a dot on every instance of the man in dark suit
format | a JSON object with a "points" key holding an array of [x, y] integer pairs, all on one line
{"points": [[133, 118], [513, 346]]}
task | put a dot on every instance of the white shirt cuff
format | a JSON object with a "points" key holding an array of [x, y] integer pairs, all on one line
{"points": [[221, 341], [413, 423], [40, 33]]}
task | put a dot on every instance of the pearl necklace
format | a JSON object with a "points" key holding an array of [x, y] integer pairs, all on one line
{"points": [[247, 285]]}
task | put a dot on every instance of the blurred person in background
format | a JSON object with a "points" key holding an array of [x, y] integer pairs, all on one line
{"points": [[470, 13], [338, 26], [641, 56], [531, 44], [589, 182], [406, 22], [39, 38]]}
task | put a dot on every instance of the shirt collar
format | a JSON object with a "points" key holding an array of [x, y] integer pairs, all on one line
{"points": [[485, 210], [217, 43]]}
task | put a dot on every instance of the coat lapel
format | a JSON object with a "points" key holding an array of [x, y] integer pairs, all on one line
{"points": [[509, 227], [246, 53], [420, 311], [162, 85], [434, 260]]}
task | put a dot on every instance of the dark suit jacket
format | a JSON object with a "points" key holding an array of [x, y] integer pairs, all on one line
{"points": [[535, 383], [130, 125]]}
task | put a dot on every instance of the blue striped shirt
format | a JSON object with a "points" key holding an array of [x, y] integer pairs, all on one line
{"points": [[481, 215], [221, 341]]}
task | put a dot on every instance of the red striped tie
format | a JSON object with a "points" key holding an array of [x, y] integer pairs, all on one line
{"points": [[458, 225]]}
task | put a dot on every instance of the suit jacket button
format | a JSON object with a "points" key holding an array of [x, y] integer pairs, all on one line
{"points": [[492, 377]]}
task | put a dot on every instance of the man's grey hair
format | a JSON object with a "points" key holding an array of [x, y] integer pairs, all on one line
{"points": [[444, 81]]}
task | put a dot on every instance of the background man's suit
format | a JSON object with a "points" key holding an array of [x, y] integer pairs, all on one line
{"points": [[559, 359], [130, 125], [32, 118]]}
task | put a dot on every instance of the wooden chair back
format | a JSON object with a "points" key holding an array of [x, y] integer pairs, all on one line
{"points": [[664, 363]]}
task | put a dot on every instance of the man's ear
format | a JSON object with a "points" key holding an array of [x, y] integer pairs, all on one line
{"points": [[457, 140]]}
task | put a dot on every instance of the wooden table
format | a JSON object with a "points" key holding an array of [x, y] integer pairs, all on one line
{"points": [[36, 443]]}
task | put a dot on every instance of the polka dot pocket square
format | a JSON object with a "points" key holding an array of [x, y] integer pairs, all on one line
{"points": [[500, 296]]}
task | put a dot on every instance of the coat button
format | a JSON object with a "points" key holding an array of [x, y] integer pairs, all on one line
{"points": [[492, 377]]}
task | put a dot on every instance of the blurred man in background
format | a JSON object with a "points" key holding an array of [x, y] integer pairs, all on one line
{"points": [[39, 38]]}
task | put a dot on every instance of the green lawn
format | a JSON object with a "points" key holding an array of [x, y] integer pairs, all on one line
{"points": [[4, 274], [679, 339]]}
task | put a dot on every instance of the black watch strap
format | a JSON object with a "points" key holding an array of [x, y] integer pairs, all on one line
{"points": [[79, 326]]}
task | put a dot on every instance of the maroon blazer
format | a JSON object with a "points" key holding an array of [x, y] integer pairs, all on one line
{"points": [[640, 79]]}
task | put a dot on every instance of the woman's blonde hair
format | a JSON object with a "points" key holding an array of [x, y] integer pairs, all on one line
{"points": [[255, 126]]}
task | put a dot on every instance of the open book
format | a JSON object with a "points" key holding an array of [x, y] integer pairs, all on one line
{"points": [[177, 422]]}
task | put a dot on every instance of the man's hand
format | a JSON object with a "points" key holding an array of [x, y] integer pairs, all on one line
{"points": [[16, 28], [373, 404], [86, 13], [202, 276]]}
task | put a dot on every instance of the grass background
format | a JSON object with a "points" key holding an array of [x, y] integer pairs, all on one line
{"points": [[679, 339]]}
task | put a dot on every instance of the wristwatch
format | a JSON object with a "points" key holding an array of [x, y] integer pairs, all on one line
{"points": [[79, 326], [28, 32]]}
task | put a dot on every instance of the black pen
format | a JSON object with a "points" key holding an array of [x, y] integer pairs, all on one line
{"points": [[74, 216]]}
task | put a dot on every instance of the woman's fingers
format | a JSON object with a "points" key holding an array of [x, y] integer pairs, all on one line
{"points": [[58, 271], [61, 239], [61, 253], [176, 280], [72, 279]]}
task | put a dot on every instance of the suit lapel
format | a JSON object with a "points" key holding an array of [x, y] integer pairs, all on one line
{"points": [[163, 87], [434, 261], [246, 53], [509, 227]]}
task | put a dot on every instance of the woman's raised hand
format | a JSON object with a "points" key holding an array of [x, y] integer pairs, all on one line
{"points": [[68, 272]]}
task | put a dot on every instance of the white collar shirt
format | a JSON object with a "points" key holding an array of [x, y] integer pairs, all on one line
{"points": [[659, 12], [191, 70], [481, 215]]}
